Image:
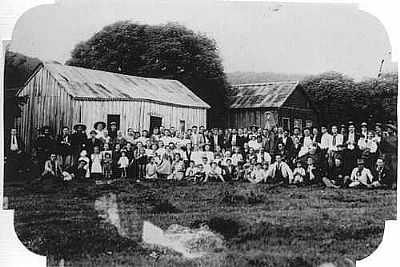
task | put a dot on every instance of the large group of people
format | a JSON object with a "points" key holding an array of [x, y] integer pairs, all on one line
{"points": [[336, 156]]}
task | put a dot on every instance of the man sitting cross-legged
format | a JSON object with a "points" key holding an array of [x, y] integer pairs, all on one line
{"points": [[279, 171], [361, 176], [52, 168], [258, 174], [336, 175], [383, 176]]}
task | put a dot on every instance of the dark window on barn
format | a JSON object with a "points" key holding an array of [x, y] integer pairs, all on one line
{"points": [[155, 122], [286, 123], [113, 118], [298, 124]]}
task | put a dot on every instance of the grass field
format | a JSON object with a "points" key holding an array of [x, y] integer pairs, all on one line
{"points": [[261, 226]]}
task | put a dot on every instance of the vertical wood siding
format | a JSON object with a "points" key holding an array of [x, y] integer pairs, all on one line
{"points": [[136, 115], [49, 104]]}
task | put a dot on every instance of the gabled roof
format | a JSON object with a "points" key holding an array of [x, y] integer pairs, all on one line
{"points": [[88, 84], [269, 94]]}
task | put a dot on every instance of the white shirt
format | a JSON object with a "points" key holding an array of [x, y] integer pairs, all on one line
{"points": [[255, 145], [197, 157], [264, 157], [365, 176], [236, 157], [351, 140], [326, 140], [365, 143], [14, 143], [336, 140]]}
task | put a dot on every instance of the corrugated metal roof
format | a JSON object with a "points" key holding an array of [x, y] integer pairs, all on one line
{"points": [[256, 95], [82, 83]]}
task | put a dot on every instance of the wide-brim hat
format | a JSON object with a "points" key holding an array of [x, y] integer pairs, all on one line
{"points": [[83, 126], [113, 123], [391, 126], [98, 123], [82, 160], [364, 124]]}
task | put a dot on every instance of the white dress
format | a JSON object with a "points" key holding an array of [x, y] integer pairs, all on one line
{"points": [[96, 163]]}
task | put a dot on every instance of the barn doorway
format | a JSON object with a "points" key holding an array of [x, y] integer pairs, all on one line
{"points": [[155, 122], [113, 118]]}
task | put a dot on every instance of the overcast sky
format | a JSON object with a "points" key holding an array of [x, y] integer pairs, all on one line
{"points": [[259, 37]]}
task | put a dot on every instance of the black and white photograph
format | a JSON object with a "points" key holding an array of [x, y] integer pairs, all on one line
{"points": [[200, 133]]}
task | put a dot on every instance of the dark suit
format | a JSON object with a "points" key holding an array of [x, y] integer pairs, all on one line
{"points": [[91, 143], [7, 144], [288, 145], [63, 145], [240, 140], [384, 176], [15, 158], [219, 139]]}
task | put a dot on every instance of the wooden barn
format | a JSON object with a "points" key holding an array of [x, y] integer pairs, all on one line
{"points": [[58, 95], [284, 103]]}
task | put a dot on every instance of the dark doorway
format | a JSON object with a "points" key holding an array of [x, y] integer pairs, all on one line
{"points": [[113, 118], [155, 122]]}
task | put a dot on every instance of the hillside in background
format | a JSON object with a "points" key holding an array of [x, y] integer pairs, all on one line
{"points": [[258, 77], [18, 68]]}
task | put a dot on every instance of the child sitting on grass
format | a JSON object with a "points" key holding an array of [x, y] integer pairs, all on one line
{"points": [[151, 169], [214, 173], [191, 171], [258, 174], [299, 173], [84, 157], [200, 174]]}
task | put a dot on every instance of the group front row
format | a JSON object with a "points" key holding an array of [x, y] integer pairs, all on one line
{"points": [[171, 163]]}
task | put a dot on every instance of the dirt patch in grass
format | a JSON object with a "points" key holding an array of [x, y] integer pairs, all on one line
{"points": [[262, 227], [165, 206]]}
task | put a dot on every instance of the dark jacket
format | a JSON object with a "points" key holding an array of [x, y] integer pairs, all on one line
{"points": [[7, 144], [384, 176], [63, 144], [78, 141], [91, 143]]}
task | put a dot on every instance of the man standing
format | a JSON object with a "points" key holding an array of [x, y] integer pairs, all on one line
{"points": [[92, 142], [197, 138], [364, 129], [113, 131], [44, 145], [78, 141], [217, 140], [64, 147], [14, 148], [337, 139]]}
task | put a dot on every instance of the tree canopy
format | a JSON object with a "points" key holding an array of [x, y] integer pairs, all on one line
{"points": [[339, 98], [169, 51]]}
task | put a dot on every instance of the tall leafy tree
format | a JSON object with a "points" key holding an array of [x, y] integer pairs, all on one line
{"points": [[163, 51], [331, 92], [340, 99]]}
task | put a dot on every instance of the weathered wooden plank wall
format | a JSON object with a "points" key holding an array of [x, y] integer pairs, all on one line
{"points": [[48, 104], [136, 115]]}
